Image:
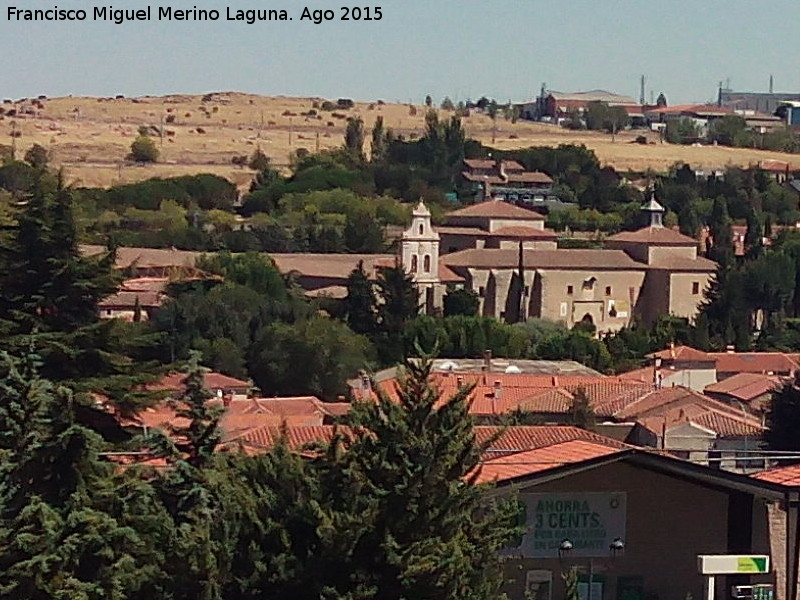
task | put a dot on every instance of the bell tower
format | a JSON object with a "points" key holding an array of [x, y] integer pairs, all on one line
{"points": [[419, 247], [655, 213]]}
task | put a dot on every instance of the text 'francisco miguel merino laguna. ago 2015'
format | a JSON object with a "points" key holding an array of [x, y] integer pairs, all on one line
{"points": [[168, 13]]}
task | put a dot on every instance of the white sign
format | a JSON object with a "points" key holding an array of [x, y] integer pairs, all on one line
{"points": [[729, 564], [590, 521]]}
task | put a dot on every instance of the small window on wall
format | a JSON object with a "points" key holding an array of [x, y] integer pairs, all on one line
{"points": [[414, 264], [527, 290], [608, 290], [695, 288], [421, 229], [570, 290], [481, 291], [426, 263]]}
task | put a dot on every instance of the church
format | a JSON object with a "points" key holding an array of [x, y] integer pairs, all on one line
{"points": [[507, 257]]}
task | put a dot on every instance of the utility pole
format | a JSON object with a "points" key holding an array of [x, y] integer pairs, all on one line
{"points": [[291, 129], [161, 130]]}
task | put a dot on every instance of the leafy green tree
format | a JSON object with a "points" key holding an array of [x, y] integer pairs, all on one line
{"points": [[69, 526], [50, 293], [378, 140], [721, 233], [143, 150], [428, 534], [37, 157], [681, 131], [447, 104], [314, 356], [259, 161], [689, 221], [728, 131], [428, 101], [360, 305], [754, 235], [461, 302], [354, 137], [363, 234], [783, 418], [398, 303]]}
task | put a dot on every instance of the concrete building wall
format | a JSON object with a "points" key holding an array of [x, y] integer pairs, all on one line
{"points": [[617, 290], [686, 292], [513, 244], [660, 254], [669, 522], [695, 379]]}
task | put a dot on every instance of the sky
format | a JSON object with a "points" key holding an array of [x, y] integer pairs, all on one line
{"points": [[462, 49]]}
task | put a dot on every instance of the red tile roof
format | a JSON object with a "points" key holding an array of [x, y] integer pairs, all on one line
{"points": [[173, 382], [745, 386], [496, 209], [520, 438], [683, 354], [755, 362], [521, 464], [490, 163], [577, 259], [654, 236], [524, 232], [788, 475]]}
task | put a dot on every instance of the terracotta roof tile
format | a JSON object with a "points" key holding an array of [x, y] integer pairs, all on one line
{"points": [[683, 354], [330, 266], [490, 163], [755, 362], [788, 475], [496, 209], [654, 236], [745, 386], [173, 382], [581, 259], [520, 464], [524, 232]]}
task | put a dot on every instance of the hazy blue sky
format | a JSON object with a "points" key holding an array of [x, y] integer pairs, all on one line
{"points": [[466, 48]]}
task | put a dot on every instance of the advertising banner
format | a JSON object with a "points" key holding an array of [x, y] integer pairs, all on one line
{"points": [[590, 521]]}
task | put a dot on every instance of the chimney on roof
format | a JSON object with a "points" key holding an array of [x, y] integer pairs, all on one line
{"points": [[460, 380], [555, 381], [498, 389], [730, 349], [227, 399], [487, 361]]}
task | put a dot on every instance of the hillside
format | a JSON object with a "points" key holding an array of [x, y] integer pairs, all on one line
{"points": [[90, 137]]}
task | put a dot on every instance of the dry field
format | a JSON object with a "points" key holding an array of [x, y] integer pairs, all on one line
{"points": [[90, 137]]}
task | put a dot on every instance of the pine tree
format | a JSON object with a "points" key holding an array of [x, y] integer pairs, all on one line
{"points": [[783, 418], [70, 527], [430, 532], [379, 141], [399, 303], [50, 293], [360, 303]]}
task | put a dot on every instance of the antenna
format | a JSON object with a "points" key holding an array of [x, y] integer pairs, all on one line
{"points": [[770, 84]]}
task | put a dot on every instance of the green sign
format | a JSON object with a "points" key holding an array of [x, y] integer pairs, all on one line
{"points": [[590, 521], [730, 564], [751, 564]]}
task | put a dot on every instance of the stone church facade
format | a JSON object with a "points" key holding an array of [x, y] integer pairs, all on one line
{"points": [[505, 255]]}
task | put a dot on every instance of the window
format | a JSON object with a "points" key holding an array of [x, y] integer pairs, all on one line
{"points": [[527, 290], [414, 265], [695, 288], [481, 291], [426, 263], [570, 291], [608, 290], [421, 229]]}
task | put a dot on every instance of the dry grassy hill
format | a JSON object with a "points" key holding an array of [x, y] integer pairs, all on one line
{"points": [[90, 137]]}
